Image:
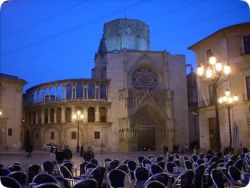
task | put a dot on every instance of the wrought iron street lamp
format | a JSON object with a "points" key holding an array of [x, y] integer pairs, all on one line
{"points": [[213, 74], [78, 117], [229, 100]]}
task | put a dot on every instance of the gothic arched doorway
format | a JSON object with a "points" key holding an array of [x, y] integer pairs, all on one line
{"points": [[151, 129]]}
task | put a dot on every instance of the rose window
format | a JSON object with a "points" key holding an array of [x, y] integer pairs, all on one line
{"points": [[144, 78]]}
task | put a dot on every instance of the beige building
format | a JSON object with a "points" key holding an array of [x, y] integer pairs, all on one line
{"points": [[10, 112], [230, 45], [136, 99]]}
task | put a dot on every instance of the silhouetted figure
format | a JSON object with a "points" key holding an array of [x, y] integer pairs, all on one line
{"points": [[165, 150], [67, 153], [81, 151], [29, 150], [59, 156], [89, 154], [186, 149], [51, 151]]}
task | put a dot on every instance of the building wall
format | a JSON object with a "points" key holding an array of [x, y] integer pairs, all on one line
{"points": [[49, 109], [11, 107], [170, 70], [177, 84], [228, 47]]}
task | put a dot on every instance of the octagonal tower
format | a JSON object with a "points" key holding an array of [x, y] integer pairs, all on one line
{"points": [[131, 34]]}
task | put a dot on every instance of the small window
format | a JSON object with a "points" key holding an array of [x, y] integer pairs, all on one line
{"points": [[73, 135], [248, 87], [9, 132], [97, 134], [52, 135], [37, 135], [209, 53], [246, 44]]}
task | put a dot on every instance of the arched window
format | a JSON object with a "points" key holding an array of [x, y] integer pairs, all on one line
{"points": [[144, 79], [68, 115], [46, 114], [34, 118], [91, 114], [52, 115], [103, 115], [59, 115], [103, 91], [91, 91], [79, 91], [69, 91]]}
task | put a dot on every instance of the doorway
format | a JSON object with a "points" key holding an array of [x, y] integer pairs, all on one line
{"points": [[146, 138], [212, 133]]}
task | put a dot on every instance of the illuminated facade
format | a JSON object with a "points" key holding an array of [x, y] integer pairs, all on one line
{"points": [[231, 46], [10, 112], [135, 100]]}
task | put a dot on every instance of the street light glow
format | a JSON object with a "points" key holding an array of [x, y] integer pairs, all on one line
{"points": [[213, 73], [227, 69], [78, 112], [200, 70], [229, 100], [212, 60], [209, 73], [218, 67]]}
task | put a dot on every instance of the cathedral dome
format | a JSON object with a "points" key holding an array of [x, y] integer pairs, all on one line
{"points": [[131, 34]]}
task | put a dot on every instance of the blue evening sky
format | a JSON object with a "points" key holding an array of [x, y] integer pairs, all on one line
{"points": [[48, 40]]}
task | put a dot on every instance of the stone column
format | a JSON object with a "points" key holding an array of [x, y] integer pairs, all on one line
{"points": [[72, 93], [83, 91], [63, 114], [63, 92], [108, 114], [56, 92], [37, 117], [49, 92], [55, 118], [97, 114], [86, 88], [106, 91], [44, 95], [72, 111], [75, 91], [85, 114], [49, 115], [32, 97], [42, 116], [31, 117], [37, 95], [97, 91]]}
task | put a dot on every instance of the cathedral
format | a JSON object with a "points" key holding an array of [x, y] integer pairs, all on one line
{"points": [[135, 100]]}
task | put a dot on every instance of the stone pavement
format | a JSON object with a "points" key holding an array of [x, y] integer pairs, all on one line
{"points": [[8, 157]]}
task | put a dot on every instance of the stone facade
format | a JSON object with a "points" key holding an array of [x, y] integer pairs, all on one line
{"points": [[138, 98], [11, 109], [193, 115], [230, 45]]}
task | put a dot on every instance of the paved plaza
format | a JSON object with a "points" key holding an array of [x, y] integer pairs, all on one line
{"points": [[7, 158]]}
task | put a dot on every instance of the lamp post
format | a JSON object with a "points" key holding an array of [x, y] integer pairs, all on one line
{"points": [[228, 100], [213, 74], [78, 117]]}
